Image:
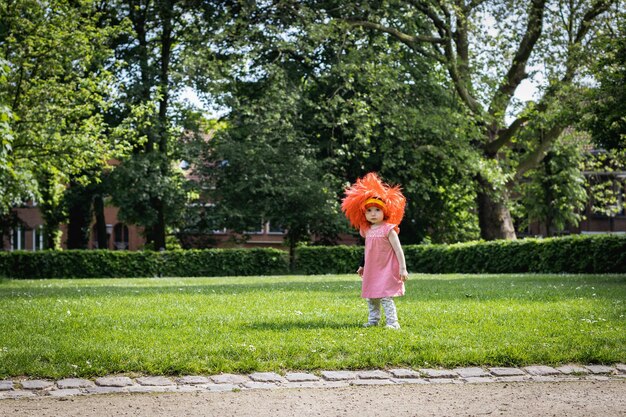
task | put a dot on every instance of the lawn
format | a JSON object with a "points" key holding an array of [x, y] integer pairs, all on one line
{"points": [[63, 328]]}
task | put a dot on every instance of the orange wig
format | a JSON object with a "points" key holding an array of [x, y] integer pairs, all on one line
{"points": [[364, 192]]}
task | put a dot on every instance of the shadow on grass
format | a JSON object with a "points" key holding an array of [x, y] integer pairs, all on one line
{"points": [[301, 325]]}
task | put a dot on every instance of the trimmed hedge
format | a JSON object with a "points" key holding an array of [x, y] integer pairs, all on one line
{"points": [[572, 254], [117, 264]]}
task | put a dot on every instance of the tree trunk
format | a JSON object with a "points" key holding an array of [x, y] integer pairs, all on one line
{"points": [[78, 226], [158, 229], [101, 227], [494, 217]]}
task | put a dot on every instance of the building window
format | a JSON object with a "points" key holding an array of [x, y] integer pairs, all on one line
{"points": [[38, 238], [120, 234], [18, 239], [275, 229]]}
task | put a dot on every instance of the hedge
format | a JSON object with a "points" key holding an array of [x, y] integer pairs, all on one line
{"points": [[572, 254], [115, 264]]}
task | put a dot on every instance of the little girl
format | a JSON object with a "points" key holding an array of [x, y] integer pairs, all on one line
{"points": [[376, 209]]}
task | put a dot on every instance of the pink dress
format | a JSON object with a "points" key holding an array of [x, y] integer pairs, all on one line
{"points": [[381, 273]]}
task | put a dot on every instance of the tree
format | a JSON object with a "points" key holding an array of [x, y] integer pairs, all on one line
{"points": [[606, 111], [554, 194], [160, 53], [365, 104], [266, 171], [488, 49], [54, 88]]}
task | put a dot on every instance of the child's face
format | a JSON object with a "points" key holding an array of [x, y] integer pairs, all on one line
{"points": [[374, 214]]}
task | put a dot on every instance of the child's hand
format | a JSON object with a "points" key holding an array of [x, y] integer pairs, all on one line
{"points": [[404, 274], [360, 271]]}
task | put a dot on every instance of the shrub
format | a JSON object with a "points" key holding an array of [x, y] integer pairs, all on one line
{"points": [[572, 254], [103, 263]]}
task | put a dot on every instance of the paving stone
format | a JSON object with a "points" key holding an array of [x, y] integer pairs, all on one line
{"points": [[338, 375], [600, 369], [300, 377], [317, 384], [36, 384], [506, 371], [480, 379], [69, 392], [597, 378], [439, 373], [69, 383], [545, 378], [377, 374], [189, 388], [621, 367], [266, 377], [114, 381], [18, 393], [193, 380], [359, 382], [218, 387], [474, 372], [105, 390], [155, 381], [259, 385], [404, 373], [540, 370], [152, 388], [6, 385], [518, 378], [572, 369], [230, 379], [420, 381], [444, 380]]}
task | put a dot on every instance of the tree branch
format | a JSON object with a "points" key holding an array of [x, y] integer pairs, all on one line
{"points": [[517, 71], [395, 32], [504, 137], [533, 158]]}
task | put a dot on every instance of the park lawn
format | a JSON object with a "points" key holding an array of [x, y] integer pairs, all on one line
{"points": [[184, 326]]}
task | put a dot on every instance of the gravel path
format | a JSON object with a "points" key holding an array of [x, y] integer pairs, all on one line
{"points": [[583, 398]]}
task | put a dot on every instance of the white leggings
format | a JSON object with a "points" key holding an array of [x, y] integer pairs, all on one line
{"points": [[388, 305]]}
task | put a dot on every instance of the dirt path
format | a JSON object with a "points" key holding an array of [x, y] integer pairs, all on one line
{"points": [[562, 399]]}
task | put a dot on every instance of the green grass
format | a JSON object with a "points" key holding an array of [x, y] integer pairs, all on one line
{"points": [[62, 328]]}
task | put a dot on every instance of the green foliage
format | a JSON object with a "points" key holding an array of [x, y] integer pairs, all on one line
{"points": [[555, 194], [265, 171], [104, 263], [605, 182], [606, 112], [55, 89], [572, 254]]}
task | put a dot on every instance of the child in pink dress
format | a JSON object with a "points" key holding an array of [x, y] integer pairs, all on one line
{"points": [[376, 208]]}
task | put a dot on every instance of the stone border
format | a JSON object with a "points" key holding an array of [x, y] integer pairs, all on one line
{"points": [[39, 388]]}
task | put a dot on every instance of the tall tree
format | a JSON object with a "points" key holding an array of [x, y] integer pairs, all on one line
{"points": [[365, 104], [159, 52], [266, 170], [54, 88], [488, 48]]}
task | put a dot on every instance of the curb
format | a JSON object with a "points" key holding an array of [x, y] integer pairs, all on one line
{"points": [[68, 387]]}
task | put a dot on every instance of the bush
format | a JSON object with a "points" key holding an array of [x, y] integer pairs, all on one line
{"points": [[572, 254], [177, 263]]}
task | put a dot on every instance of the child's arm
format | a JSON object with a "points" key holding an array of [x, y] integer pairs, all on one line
{"points": [[397, 248], [361, 267]]}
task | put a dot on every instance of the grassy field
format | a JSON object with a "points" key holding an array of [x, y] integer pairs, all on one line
{"points": [[62, 328]]}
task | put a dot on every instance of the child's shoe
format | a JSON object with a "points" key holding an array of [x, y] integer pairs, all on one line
{"points": [[395, 326], [371, 324]]}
